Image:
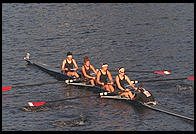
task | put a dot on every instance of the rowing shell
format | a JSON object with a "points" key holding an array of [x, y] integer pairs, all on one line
{"points": [[54, 73], [72, 81]]}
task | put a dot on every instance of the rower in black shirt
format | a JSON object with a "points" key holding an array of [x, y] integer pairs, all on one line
{"points": [[86, 68], [68, 66], [102, 78], [121, 80]]}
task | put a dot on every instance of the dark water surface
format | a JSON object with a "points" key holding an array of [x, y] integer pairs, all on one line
{"points": [[136, 36]]}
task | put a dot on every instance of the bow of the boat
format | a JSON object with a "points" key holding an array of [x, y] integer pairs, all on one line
{"points": [[57, 75]]}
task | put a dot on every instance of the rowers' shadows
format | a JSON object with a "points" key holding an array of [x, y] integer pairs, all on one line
{"points": [[75, 122]]}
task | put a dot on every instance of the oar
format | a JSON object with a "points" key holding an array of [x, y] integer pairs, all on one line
{"points": [[36, 104], [160, 72], [188, 78], [7, 88]]}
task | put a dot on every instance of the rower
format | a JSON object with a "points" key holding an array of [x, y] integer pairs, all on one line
{"points": [[143, 96], [86, 68], [102, 78], [68, 66], [121, 79]]}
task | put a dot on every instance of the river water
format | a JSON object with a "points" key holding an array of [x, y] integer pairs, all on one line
{"points": [[138, 36]]}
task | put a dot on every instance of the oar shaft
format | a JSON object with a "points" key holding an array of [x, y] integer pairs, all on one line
{"points": [[134, 71], [159, 72], [155, 80], [35, 104], [37, 84], [162, 80], [72, 98], [140, 71]]}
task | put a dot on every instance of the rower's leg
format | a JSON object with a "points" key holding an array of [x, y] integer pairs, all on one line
{"points": [[125, 94], [92, 82], [111, 88], [131, 96], [76, 74], [107, 88], [73, 74], [69, 74]]}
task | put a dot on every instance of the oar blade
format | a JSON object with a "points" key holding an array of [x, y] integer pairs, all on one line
{"points": [[36, 104], [190, 78], [162, 72], [6, 88]]}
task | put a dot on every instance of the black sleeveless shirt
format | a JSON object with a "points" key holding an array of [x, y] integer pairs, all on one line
{"points": [[122, 82], [69, 66], [87, 71], [104, 77]]}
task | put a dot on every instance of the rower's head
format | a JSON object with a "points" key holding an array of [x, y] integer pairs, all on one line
{"points": [[69, 55], [104, 66], [86, 61], [121, 70]]}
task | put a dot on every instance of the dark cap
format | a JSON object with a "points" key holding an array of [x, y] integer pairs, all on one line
{"points": [[86, 59], [120, 68], [69, 53]]}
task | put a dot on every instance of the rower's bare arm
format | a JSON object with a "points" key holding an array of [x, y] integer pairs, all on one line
{"points": [[118, 83], [110, 77], [94, 70], [85, 74], [98, 79], [130, 83], [63, 66], [75, 64]]}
